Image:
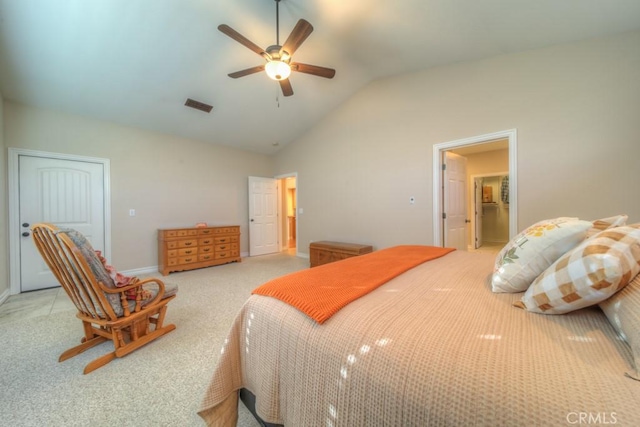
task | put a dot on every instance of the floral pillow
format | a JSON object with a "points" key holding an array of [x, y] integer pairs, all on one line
{"points": [[587, 275], [532, 251]]}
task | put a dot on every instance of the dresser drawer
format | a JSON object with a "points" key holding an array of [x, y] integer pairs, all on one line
{"points": [[206, 257], [172, 261], [172, 244], [224, 247], [187, 251], [187, 259], [205, 249], [205, 231], [226, 230], [223, 254], [172, 253], [190, 243], [205, 241]]}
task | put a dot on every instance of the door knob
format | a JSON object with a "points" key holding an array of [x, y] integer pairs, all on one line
{"points": [[26, 234], [25, 224], [251, 219], [467, 220]]}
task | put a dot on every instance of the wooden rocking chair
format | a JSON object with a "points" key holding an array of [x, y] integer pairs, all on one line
{"points": [[120, 314]]}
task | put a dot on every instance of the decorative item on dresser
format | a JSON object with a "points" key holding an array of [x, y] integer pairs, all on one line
{"points": [[182, 249], [325, 252]]}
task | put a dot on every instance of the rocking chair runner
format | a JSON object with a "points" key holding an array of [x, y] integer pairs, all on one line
{"points": [[121, 314]]}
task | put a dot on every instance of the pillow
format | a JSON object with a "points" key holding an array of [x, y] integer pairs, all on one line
{"points": [[531, 252], [606, 223], [587, 275], [623, 312]]}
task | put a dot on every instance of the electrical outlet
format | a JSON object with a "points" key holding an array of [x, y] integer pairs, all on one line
{"points": [[132, 212]]}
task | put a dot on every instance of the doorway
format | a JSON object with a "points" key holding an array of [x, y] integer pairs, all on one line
{"points": [[288, 224], [69, 191], [273, 225], [490, 222], [477, 144]]}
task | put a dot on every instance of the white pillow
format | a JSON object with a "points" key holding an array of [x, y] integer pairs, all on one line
{"points": [[588, 274], [532, 251]]}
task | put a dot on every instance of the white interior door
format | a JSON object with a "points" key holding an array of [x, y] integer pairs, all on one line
{"points": [[478, 212], [455, 201], [263, 216], [67, 193]]}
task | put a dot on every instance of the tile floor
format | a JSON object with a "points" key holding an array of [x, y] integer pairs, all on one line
{"points": [[35, 303]]}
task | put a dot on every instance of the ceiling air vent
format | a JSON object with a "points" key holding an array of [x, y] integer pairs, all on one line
{"points": [[198, 105]]}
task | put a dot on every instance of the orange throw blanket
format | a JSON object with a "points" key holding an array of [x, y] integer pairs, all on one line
{"points": [[321, 291]]}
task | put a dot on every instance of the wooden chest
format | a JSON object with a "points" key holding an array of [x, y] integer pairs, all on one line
{"points": [[325, 252], [182, 249]]}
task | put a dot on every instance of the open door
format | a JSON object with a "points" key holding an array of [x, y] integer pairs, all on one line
{"points": [[455, 201], [263, 216]]}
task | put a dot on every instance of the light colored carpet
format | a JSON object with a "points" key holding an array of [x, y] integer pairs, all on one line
{"points": [[161, 384]]}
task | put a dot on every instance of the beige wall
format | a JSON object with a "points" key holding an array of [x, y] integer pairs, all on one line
{"points": [[169, 181], [4, 241], [575, 108]]}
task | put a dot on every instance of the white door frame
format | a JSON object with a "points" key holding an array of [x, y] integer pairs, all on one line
{"points": [[282, 214], [14, 205], [438, 149]]}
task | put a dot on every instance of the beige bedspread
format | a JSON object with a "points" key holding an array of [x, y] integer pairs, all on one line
{"points": [[434, 347]]}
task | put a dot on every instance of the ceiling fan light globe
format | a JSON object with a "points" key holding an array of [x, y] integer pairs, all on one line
{"points": [[277, 70]]}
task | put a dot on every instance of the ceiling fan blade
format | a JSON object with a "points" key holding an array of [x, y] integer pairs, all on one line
{"points": [[327, 73], [285, 85], [299, 34], [246, 72], [225, 29]]}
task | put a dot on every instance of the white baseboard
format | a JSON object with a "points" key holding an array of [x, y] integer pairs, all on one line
{"points": [[302, 255], [141, 271]]}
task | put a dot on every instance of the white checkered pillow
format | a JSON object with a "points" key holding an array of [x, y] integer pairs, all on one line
{"points": [[532, 251], [623, 312], [606, 223], [587, 275]]}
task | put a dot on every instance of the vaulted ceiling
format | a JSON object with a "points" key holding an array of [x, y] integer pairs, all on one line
{"points": [[135, 62]]}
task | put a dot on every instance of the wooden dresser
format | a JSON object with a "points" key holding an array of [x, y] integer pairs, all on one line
{"points": [[182, 249], [326, 252]]}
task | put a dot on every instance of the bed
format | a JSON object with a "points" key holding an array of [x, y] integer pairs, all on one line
{"points": [[432, 346]]}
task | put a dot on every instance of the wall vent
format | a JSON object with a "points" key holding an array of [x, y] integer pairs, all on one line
{"points": [[198, 105]]}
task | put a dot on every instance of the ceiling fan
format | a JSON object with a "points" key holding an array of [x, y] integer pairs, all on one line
{"points": [[278, 65]]}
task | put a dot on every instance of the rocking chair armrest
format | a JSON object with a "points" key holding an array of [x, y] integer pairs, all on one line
{"points": [[138, 284], [161, 289]]}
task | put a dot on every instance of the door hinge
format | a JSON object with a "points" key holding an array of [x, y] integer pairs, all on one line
{"points": [[444, 215], [444, 166]]}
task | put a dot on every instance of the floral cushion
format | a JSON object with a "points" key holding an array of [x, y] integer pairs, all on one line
{"points": [[532, 251], [97, 268], [587, 275], [106, 274]]}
